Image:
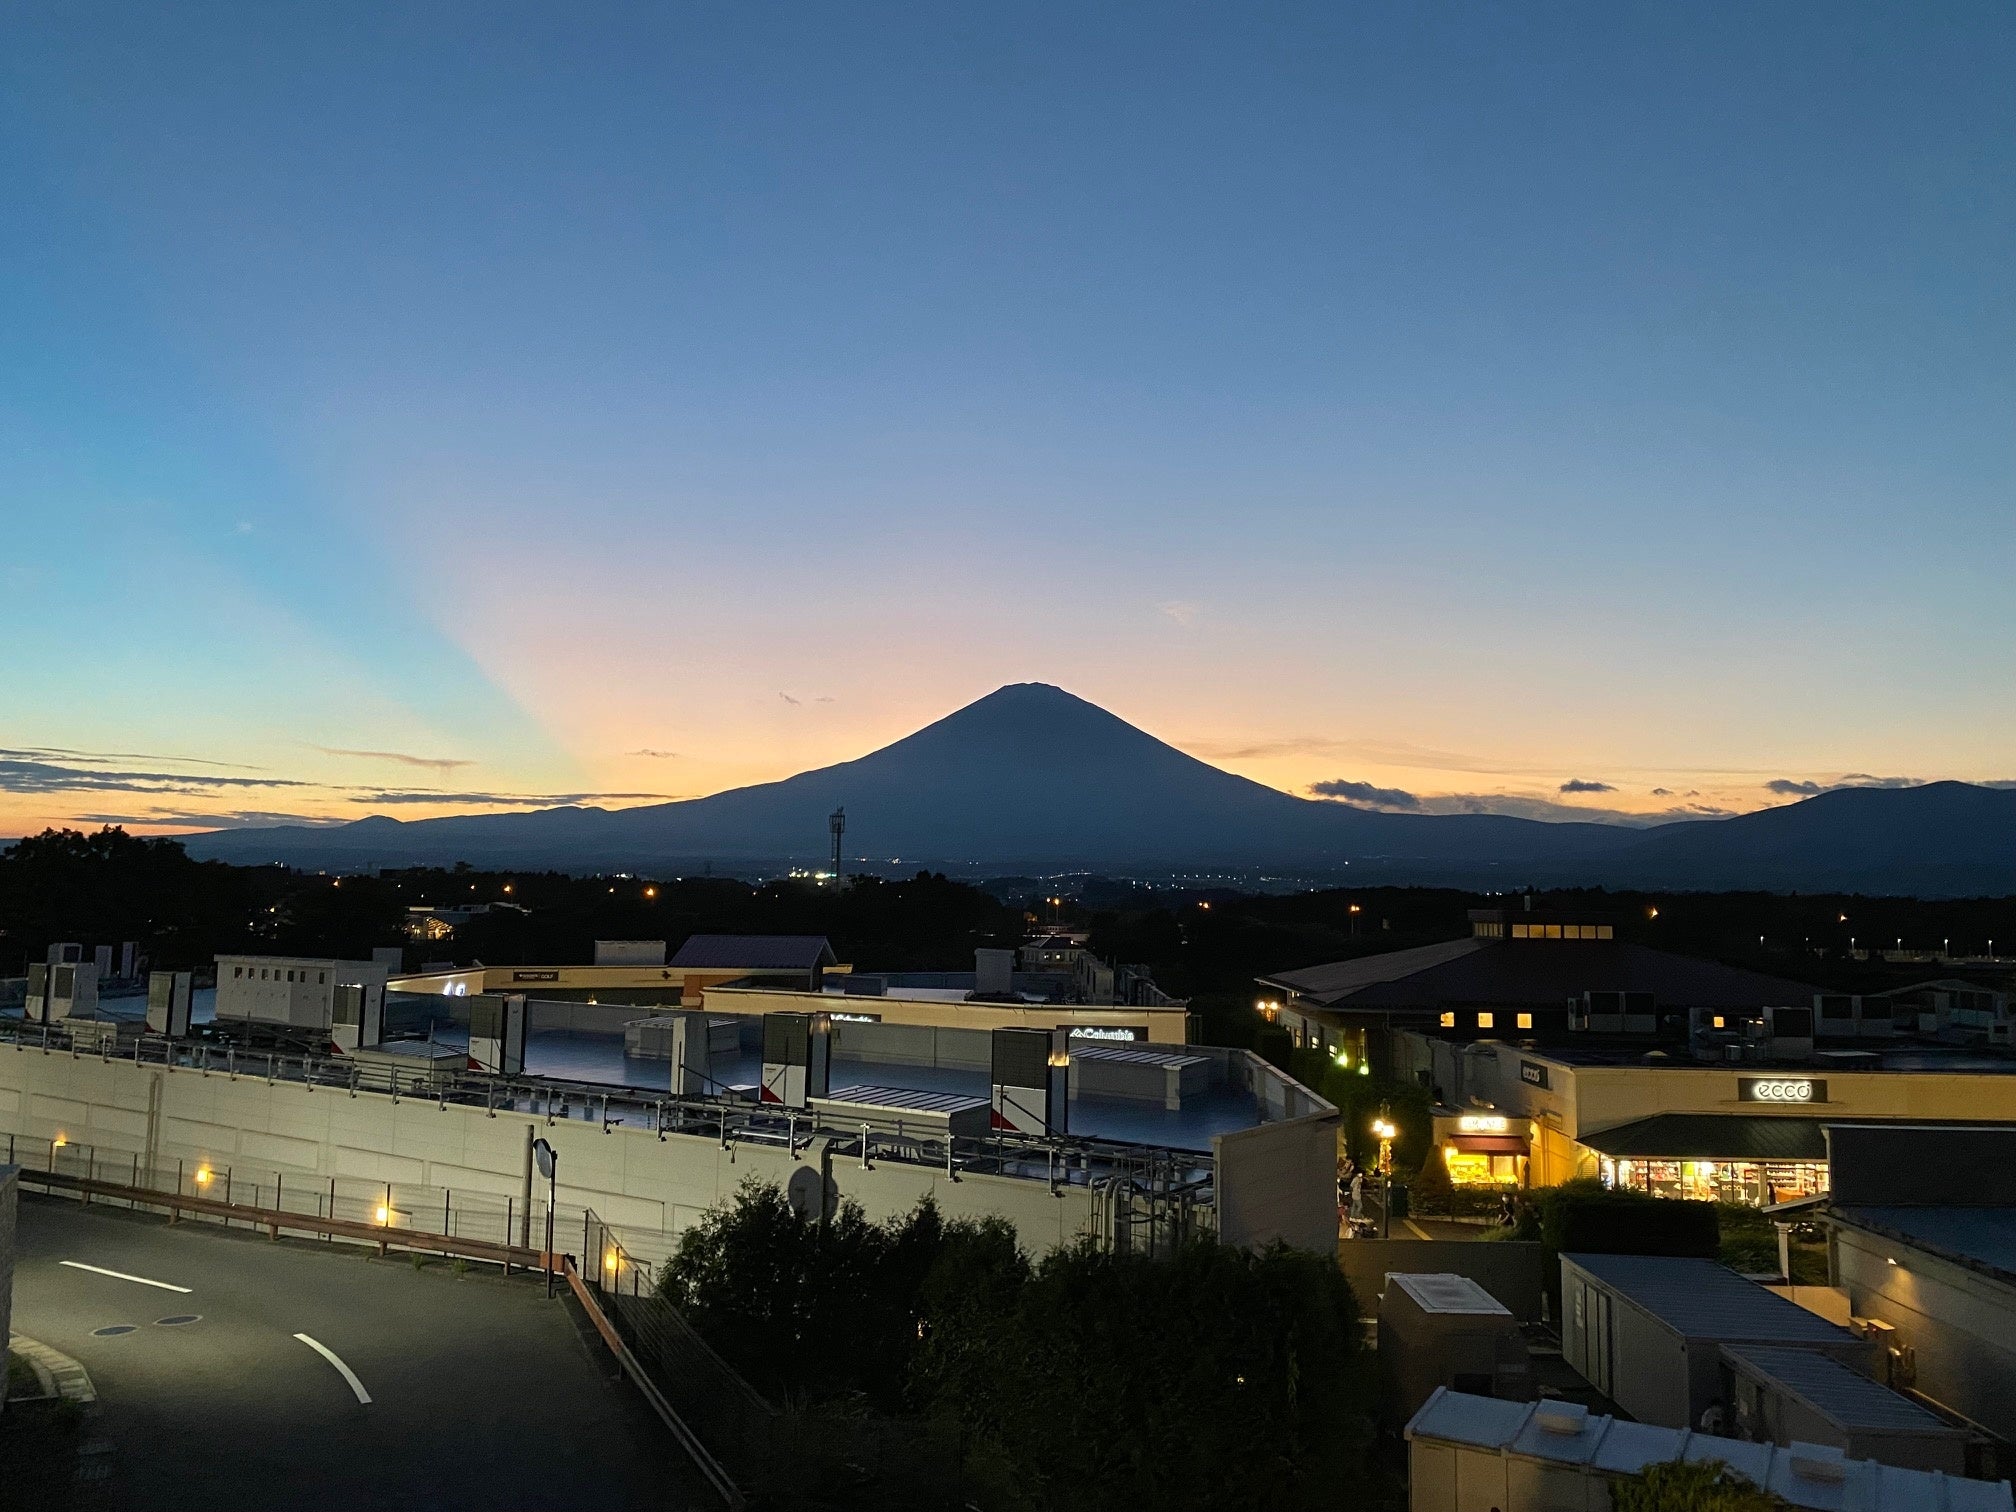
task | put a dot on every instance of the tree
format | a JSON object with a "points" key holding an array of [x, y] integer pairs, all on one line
{"points": [[1691, 1486]]}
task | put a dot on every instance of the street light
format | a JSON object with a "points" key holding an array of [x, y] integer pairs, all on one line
{"points": [[1382, 1126], [549, 1167]]}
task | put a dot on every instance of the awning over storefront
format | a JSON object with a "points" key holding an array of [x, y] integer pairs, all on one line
{"points": [[1712, 1136], [1489, 1144]]}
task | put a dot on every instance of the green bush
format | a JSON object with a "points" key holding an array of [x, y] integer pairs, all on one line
{"points": [[804, 1308], [1691, 1486], [1275, 1045], [1585, 1217], [1748, 1241], [1217, 1377]]}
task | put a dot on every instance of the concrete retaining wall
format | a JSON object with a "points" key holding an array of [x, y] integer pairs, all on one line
{"points": [[649, 1188]]}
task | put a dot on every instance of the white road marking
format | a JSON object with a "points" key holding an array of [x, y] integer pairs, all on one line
{"points": [[99, 1270], [341, 1369]]}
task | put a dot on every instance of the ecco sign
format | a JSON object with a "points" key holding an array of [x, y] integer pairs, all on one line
{"points": [[1780, 1089]]}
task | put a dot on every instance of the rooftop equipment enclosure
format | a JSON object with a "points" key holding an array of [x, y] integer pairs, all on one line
{"points": [[1647, 1330]]}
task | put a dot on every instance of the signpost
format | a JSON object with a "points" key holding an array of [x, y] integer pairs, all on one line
{"points": [[549, 1166]]}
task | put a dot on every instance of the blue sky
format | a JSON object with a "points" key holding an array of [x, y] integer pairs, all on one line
{"points": [[1467, 401]]}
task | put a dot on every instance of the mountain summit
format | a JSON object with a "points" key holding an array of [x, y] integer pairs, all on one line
{"points": [[1033, 777]]}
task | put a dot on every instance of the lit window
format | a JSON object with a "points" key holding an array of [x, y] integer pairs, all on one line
{"points": [[1486, 1020], [1553, 931], [1525, 1021], [1720, 1022], [1519, 931], [1448, 1021], [1603, 931]]}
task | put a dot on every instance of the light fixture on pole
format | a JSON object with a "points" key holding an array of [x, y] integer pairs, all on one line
{"points": [[1382, 1126], [549, 1167]]}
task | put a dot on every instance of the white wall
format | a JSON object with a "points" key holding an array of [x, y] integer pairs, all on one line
{"points": [[650, 1188], [1960, 1323]]}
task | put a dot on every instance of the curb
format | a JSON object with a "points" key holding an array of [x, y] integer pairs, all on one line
{"points": [[70, 1380]]}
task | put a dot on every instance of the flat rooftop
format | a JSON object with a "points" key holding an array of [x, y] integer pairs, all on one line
{"points": [[1823, 1062], [1704, 1299], [577, 1056]]}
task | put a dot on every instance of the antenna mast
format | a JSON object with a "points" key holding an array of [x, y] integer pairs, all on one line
{"points": [[838, 825]]}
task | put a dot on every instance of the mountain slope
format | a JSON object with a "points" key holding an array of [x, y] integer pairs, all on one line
{"points": [[1028, 774], [1938, 838], [1033, 778]]}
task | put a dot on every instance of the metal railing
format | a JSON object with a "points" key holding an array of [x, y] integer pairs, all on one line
{"points": [[395, 1214], [696, 1394], [1154, 1177], [717, 1405]]}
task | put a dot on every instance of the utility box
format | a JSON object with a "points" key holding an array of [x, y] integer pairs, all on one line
{"points": [[73, 991], [993, 973], [1445, 1330], [1647, 1330], [1786, 1396], [797, 1049], [35, 1004], [169, 998], [690, 1041], [1029, 1080], [356, 1016], [497, 1023]]}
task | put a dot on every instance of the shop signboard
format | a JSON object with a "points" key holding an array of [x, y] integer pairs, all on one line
{"points": [[1533, 1073], [1786, 1091]]}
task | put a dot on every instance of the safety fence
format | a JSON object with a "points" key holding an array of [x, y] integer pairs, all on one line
{"points": [[1147, 1171], [390, 1214], [723, 1412], [699, 1398]]}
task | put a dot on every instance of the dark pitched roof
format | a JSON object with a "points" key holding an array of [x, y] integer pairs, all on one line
{"points": [[1340, 979], [718, 952], [1535, 973], [1715, 1136]]}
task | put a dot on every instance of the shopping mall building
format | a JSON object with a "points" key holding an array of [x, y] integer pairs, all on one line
{"points": [[1552, 1048]]}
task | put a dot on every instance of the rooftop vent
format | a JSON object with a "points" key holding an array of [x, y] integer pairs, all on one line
{"points": [[1819, 1462], [1564, 1418]]}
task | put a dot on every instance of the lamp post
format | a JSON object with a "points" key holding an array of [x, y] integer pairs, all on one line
{"points": [[549, 1167], [1383, 1127]]}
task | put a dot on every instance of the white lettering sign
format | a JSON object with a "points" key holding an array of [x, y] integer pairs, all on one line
{"points": [[1477, 1123], [1783, 1089]]}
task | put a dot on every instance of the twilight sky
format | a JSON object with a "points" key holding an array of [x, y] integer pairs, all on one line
{"points": [[417, 408]]}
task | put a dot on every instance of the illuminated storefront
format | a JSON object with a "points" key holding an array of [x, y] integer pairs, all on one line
{"points": [[1481, 1148], [1753, 1160]]}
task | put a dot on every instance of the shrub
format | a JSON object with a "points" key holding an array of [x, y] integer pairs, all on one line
{"points": [[1585, 1217], [1691, 1486], [1217, 1377]]}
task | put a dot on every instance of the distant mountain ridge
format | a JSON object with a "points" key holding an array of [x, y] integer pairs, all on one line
{"points": [[1033, 777]]}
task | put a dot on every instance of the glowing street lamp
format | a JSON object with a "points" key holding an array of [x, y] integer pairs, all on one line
{"points": [[1383, 1128]]}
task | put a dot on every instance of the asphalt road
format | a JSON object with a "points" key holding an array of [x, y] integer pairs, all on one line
{"points": [[482, 1393]]}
